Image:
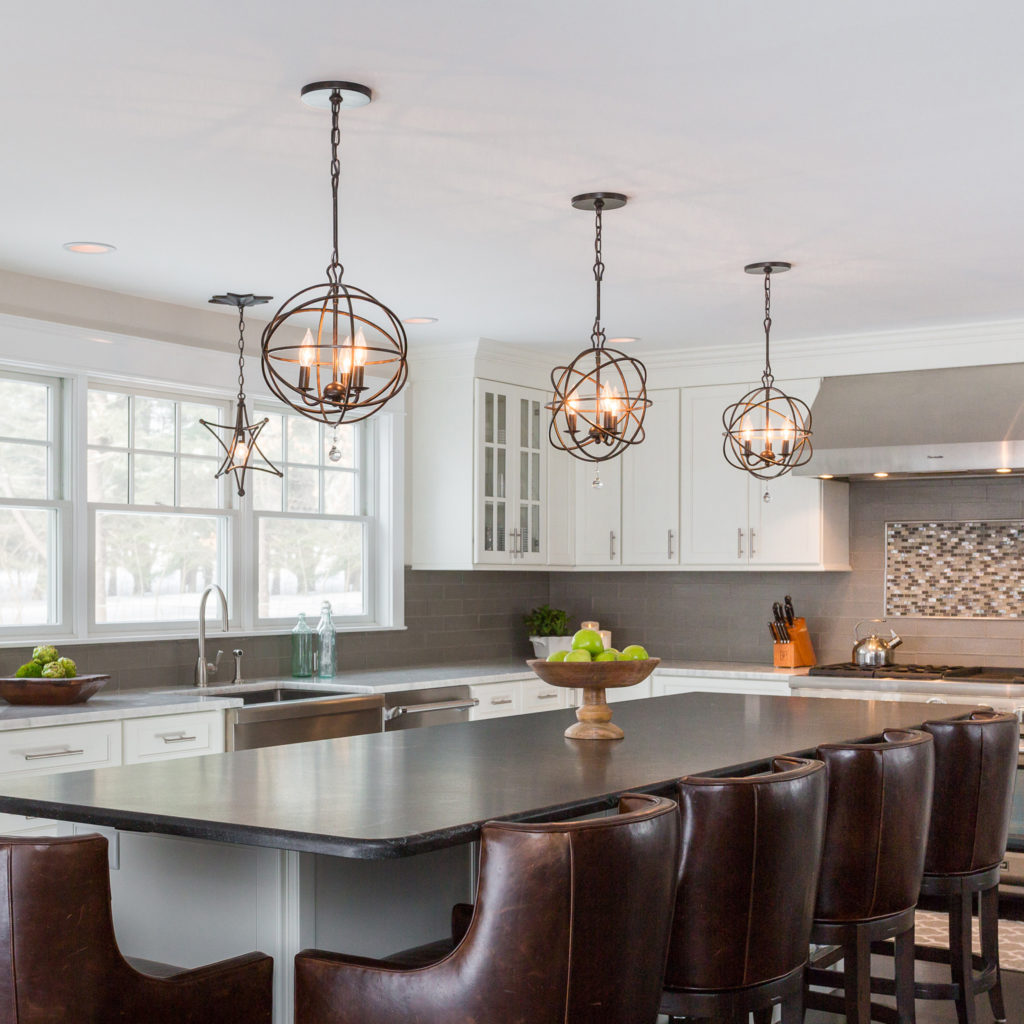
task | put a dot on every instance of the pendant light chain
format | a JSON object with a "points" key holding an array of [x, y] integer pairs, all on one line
{"points": [[241, 354], [334, 268], [597, 335], [767, 378]]}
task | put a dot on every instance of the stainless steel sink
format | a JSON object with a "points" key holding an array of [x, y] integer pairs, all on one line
{"points": [[279, 695]]}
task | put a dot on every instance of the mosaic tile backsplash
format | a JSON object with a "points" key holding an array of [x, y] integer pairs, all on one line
{"points": [[955, 570]]}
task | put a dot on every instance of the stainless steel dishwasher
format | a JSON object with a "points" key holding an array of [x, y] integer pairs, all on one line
{"points": [[273, 717], [411, 709]]}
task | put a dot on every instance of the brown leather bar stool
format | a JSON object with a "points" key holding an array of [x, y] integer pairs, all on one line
{"points": [[750, 853], [570, 926], [879, 801], [59, 959], [975, 770]]}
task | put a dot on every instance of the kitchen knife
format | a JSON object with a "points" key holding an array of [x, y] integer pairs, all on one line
{"points": [[784, 630], [777, 611], [790, 613], [774, 633]]}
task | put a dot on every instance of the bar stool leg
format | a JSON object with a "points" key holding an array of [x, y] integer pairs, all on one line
{"points": [[857, 978], [903, 965], [988, 913], [961, 967], [793, 1007]]}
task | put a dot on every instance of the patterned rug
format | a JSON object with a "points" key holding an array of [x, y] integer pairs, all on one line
{"points": [[932, 929]]}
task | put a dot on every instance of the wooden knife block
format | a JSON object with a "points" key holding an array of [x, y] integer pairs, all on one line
{"points": [[799, 653]]}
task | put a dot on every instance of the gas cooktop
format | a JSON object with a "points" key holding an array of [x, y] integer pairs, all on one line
{"points": [[964, 673]]}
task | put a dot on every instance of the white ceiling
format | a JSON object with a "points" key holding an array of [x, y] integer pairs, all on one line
{"points": [[876, 145]]}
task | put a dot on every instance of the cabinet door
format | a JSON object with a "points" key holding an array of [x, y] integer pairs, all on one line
{"points": [[494, 463], [529, 541], [599, 513], [714, 494], [785, 521], [650, 487]]}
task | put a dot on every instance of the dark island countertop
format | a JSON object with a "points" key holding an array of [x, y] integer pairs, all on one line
{"points": [[407, 792]]}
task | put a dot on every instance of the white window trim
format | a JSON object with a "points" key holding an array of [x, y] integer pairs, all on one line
{"points": [[80, 358]]}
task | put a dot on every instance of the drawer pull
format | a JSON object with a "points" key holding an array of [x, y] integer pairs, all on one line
{"points": [[547, 696], [501, 700], [53, 753], [176, 737]]}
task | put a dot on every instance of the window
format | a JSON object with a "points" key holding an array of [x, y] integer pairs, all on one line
{"points": [[311, 526], [33, 519], [159, 531]]}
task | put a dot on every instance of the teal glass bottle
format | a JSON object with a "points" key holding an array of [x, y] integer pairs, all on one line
{"points": [[302, 648], [326, 641]]}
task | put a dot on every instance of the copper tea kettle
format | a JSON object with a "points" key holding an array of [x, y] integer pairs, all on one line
{"points": [[873, 651]]}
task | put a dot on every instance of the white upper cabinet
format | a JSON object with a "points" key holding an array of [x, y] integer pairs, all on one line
{"points": [[732, 520], [599, 513], [650, 487], [511, 462]]}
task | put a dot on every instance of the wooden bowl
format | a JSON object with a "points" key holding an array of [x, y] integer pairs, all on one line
{"points": [[594, 717], [76, 690]]}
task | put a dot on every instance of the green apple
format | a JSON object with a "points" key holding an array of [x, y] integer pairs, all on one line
{"points": [[610, 654], [587, 640], [578, 655], [557, 655], [634, 652]]}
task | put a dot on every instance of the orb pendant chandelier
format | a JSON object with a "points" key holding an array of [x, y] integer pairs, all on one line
{"points": [[332, 351], [767, 432], [241, 450], [600, 398]]}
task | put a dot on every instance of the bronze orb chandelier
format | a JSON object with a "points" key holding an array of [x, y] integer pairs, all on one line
{"points": [[351, 357], [600, 398], [767, 432], [242, 452]]}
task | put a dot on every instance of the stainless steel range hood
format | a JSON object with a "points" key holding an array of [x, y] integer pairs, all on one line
{"points": [[961, 420]]}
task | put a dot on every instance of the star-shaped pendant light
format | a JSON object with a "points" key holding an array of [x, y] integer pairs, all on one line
{"points": [[241, 452]]}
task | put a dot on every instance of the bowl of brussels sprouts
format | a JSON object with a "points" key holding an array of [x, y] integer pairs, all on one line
{"points": [[49, 679]]}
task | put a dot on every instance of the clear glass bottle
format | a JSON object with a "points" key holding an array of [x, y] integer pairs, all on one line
{"points": [[326, 641], [302, 648]]}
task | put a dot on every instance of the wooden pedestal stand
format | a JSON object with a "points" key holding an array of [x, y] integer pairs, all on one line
{"points": [[593, 678]]}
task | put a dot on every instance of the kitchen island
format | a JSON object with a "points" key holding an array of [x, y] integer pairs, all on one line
{"points": [[314, 844]]}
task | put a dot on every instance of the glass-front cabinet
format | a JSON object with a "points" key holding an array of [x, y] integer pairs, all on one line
{"points": [[511, 452]]}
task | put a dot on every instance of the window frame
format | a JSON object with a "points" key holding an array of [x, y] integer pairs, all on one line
{"points": [[59, 573], [76, 360]]}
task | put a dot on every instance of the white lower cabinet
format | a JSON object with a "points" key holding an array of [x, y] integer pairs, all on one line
{"points": [[665, 685], [165, 737], [637, 692], [539, 696], [50, 750], [496, 700]]}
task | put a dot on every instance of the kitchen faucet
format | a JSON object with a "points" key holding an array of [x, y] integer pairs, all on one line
{"points": [[204, 667]]}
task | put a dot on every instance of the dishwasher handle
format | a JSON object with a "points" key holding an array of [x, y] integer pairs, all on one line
{"points": [[419, 709]]}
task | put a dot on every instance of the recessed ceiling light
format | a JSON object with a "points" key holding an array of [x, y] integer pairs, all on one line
{"points": [[1004, 469], [420, 320], [102, 341], [89, 248], [621, 341], [827, 476], [881, 476]]}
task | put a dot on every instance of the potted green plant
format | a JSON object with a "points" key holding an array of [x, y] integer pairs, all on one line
{"points": [[549, 630]]}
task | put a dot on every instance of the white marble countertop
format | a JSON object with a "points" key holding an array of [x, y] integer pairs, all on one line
{"points": [[145, 703], [129, 704]]}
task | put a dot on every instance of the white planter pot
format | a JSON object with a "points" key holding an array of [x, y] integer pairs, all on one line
{"points": [[545, 645]]}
